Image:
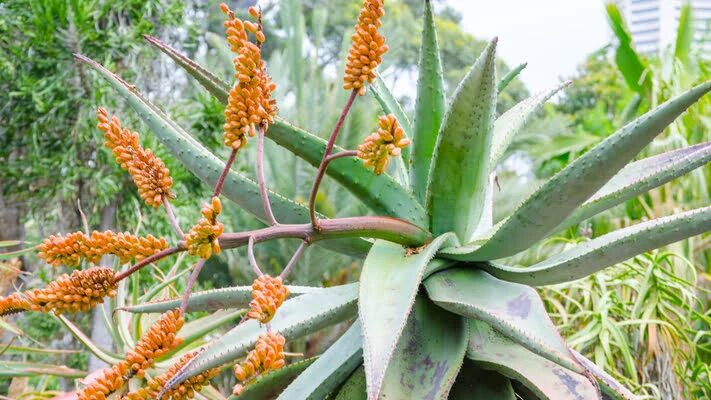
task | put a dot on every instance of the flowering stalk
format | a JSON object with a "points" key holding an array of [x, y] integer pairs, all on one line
{"points": [[261, 180], [171, 218], [325, 160]]}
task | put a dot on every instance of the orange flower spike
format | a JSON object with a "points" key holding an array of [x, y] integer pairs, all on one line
{"points": [[249, 102], [69, 250], [156, 342], [267, 355], [110, 381], [387, 142], [268, 294], [184, 390], [80, 291], [367, 47], [202, 239], [14, 303], [149, 173]]}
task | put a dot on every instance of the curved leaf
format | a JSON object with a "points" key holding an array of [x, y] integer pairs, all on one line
{"points": [[331, 368], [504, 82], [268, 387], [428, 356], [379, 192], [389, 282], [640, 177], [547, 380], [592, 256], [297, 317], [477, 383], [354, 387], [100, 353], [514, 310], [630, 64], [11, 369], [513, 120], [613, 389], [429, 107], [208, 167], [211, 300], [546, 208], [460, 168]]}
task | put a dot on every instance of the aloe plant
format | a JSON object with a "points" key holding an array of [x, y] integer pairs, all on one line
{"points": [[434, 313]]}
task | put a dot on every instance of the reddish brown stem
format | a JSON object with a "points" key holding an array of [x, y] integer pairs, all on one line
{"points": [[294, 260], [155, 257], [172, 219], [260, 178], [324, 161], [252, 259], [221, 180], [349, 153], [191, 282]]}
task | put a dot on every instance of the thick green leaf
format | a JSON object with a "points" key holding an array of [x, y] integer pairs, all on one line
{"points": [[297, 317], [389, 282], [477, 383], [548, 381], [504, 82], [428, 355], [269, 386], [12, 254], [390, 105], [197, 329], [429, 107], [11, 369], [546, 208], [354, 387], [684, 33], [100, 353], [514, 310], [640, 177], [592, 256], [513, 120], [208, 167], [330, 370], [460, 168], [630, 64], [379, 192], [211, 300], [610, 387]]}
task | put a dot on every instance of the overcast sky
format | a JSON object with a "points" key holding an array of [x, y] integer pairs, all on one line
{"points": [[553, 36]]}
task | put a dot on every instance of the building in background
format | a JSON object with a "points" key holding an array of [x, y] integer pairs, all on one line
{"points": [[653, 23]]}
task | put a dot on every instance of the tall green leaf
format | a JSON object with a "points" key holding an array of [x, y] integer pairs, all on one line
{"points": [[548, 381], [630, 64], [514, 310], [460, 168], [547, 207], [599, 253], [640, 177], [389, 282], [429, 107], [428, 355], [684, 33], [510, 76], [332, 368], [208, 167]]}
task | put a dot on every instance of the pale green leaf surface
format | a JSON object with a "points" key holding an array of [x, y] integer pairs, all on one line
{"points": [[510, 76], [613, 389], [513, 309]]}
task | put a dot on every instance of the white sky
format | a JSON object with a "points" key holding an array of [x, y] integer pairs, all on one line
{"points": [[553, 36]]}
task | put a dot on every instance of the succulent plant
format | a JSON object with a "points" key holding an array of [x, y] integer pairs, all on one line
{"points": [[434, 313]]}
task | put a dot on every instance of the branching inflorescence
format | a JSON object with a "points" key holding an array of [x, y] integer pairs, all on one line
{"points": [[250, 111]]}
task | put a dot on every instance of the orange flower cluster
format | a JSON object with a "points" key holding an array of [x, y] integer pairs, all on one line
{"points": [[14, 303], [249, 103], [367, 47], [378, 147], [148, 171], [202, 238], [70, 249], [156, 342], [111, 380], [80, 291], [184, 390], [268, 355], [267, 295]]}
